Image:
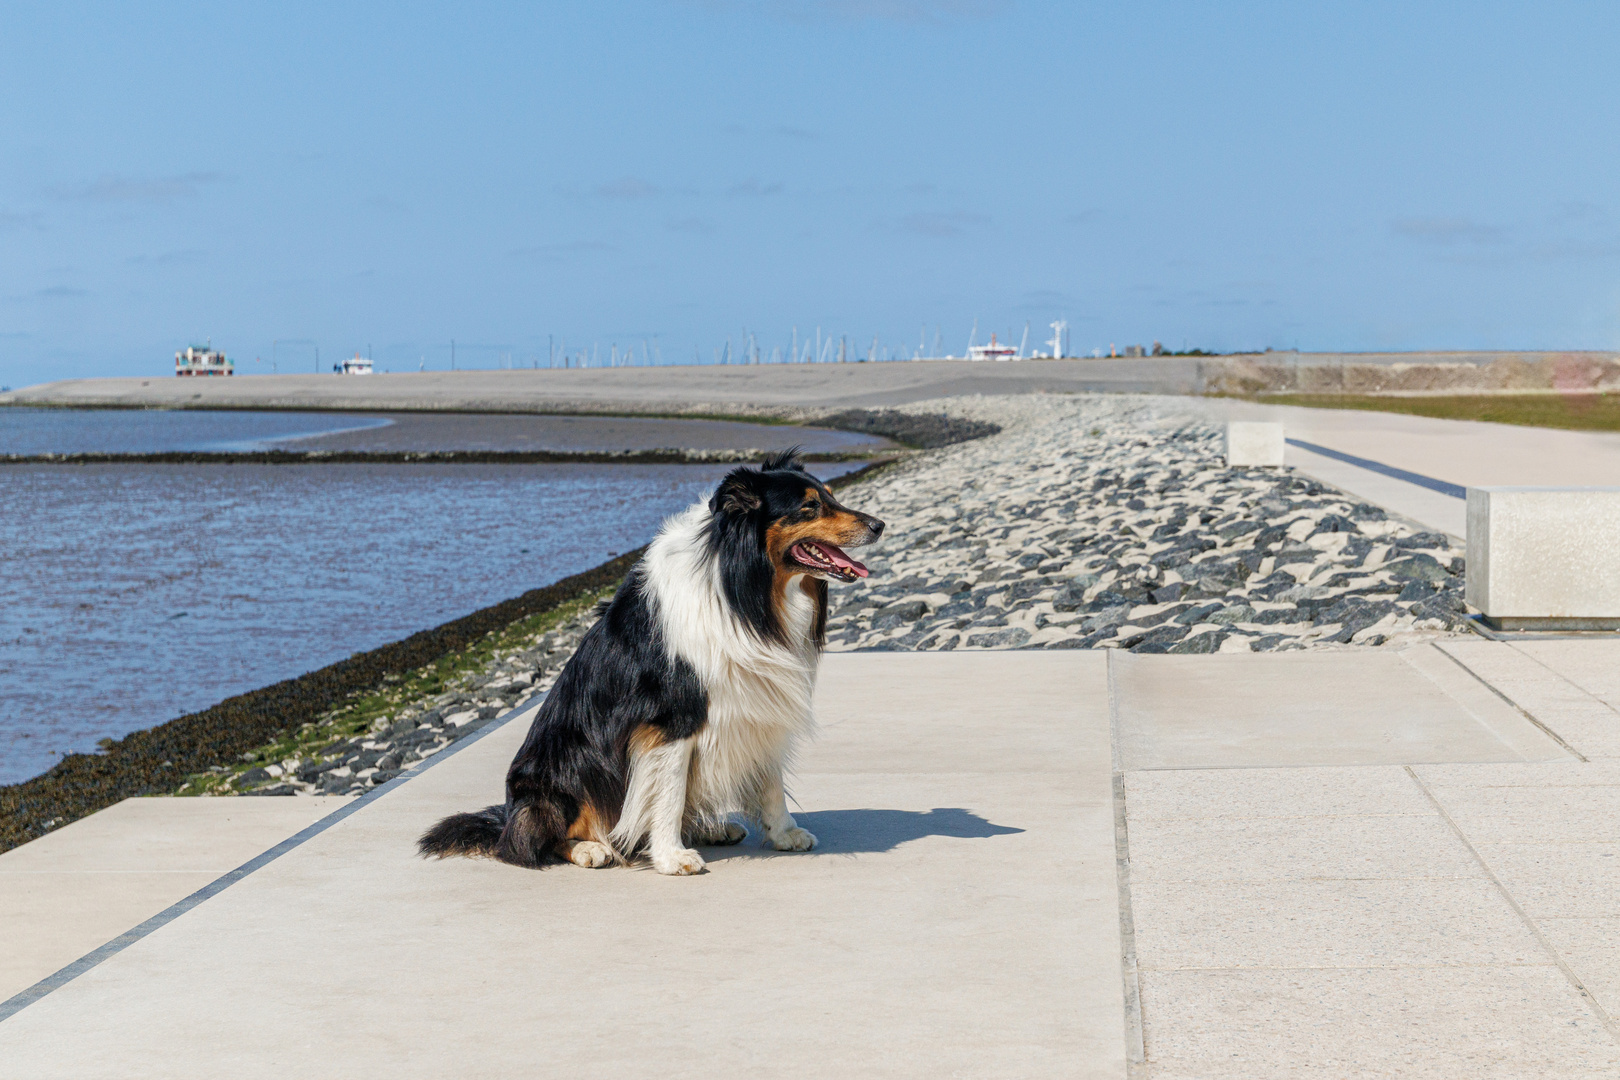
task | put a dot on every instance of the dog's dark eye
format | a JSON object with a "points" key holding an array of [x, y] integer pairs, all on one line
{"points": [[810, 509]]}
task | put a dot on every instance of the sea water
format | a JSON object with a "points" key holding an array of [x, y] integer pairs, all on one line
{"points": [[132, 594]]}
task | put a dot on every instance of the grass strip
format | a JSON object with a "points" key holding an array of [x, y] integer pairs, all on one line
{"points": [[1570, 412]]}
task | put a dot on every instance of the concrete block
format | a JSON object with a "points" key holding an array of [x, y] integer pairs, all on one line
{"points": [[1543, 558], [1252, 442]]}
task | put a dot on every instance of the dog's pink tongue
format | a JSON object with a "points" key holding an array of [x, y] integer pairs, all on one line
{"points": [[841, 560]]}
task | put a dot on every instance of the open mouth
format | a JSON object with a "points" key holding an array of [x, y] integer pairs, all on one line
{"points": [[827, 558]]}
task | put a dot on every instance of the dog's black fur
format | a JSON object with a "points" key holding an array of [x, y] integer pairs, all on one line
{"points": [[569, 779]]}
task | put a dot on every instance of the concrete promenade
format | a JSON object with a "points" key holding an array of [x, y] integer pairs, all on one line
{"points": [[1463, 453], [1336, 863], [1033, 865]]}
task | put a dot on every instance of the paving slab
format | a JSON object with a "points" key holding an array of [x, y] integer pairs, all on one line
{"points": [[72, 890], [1591, 947], [1592, 664], [1447, 1023], [1545, 679], [1332, 921], [1360, 707], [960, 919]]}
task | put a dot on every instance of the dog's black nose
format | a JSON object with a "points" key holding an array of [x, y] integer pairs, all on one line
{"points": [[875, 525]]}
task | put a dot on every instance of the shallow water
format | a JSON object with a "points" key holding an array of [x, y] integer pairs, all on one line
{"points": [[153, 431], [131, 594]]}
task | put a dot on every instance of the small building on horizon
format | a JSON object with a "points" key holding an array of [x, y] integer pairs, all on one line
{"points": [[202, 361]]}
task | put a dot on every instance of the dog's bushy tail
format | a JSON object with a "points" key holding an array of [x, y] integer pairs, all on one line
{"points": [[478, 833]]}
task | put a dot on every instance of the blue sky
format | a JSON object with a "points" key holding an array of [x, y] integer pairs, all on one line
{"points": [[518, 177]]}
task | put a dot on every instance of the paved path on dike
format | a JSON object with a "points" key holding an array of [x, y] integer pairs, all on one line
{"points": [[1461, 453], [1033, 865], [1353, 863]]}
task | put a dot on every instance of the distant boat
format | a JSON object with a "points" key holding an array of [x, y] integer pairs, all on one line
{"points": [[992, 351], [202, 361], [355, 365]]}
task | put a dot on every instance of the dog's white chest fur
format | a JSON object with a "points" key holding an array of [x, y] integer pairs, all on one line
{"points": [[759, 692]]}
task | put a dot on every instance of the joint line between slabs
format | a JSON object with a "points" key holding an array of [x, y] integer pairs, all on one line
{"points": [[1520, 709], [1135, 1041], [53, 982], [1530, 924]]}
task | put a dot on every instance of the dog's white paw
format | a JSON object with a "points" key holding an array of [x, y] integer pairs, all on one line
{"points": [[680, 862], [794, 839], [590, 854], [722, 835]]}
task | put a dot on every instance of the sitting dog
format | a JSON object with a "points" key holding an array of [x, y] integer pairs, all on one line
{"points": [[684, 702]]}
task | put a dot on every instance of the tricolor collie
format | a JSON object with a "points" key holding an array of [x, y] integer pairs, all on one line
{"points": [[683, 703]]}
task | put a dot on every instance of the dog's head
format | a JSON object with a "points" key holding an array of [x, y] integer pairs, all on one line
{"points": [[795, 524]]}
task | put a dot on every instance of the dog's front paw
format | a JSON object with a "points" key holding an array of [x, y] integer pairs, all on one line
{"points": [[679, 862], [794, 839], [722, 835]]}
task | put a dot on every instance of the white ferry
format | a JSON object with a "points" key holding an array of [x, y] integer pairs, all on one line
{"points": [[355, 365], [992, 351], [203, 361]]}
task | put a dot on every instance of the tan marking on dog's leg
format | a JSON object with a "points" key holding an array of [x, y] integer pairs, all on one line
{"points": [[588, 825], [645, 739]]}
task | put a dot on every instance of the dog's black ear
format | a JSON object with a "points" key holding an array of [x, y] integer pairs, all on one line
{"points": [[736, 494], [784, 460]]}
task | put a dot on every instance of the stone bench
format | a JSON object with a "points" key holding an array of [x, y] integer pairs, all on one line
{"points": [[1543, 558], [1253, 442]]}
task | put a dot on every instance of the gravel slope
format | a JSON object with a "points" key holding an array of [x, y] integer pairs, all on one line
{"points": [[1086, 522]]}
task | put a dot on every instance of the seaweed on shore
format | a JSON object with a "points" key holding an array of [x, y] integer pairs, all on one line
{"points": [[157, 760]]}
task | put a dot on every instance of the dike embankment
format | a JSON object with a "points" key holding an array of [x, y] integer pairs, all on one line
{"points": [[801, 392]]}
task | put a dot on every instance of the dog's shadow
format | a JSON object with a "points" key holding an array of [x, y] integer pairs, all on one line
{"points": [[868, 831]]}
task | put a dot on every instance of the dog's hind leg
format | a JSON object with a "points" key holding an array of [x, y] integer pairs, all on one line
{"points": [[781, 831], [586, 853]]}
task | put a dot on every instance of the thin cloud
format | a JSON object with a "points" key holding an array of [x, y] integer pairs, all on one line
{"points": [[1571, 232], [1447, 231], [787, 131], [384, 203], [941, 225], [563, 250], [698, 226], [1042, 299], [10, 220], [111, 188], [625, 188], [182, 257], [61, 292], [905, 11], [751, 186]]}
